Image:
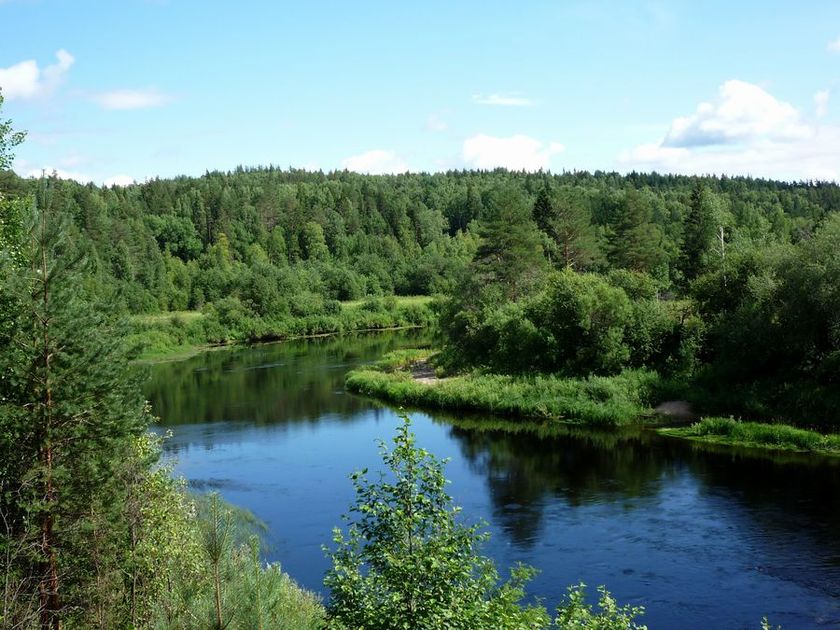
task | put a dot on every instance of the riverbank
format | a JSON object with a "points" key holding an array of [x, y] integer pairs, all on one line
{"points": [[406, 378], [182, 334]]}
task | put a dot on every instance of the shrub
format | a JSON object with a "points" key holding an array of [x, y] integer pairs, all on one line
{"points": [[407, 562]]}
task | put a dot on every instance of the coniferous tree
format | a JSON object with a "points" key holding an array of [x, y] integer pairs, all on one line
{"points": [[544, 208], [571, 228], [636, 242], [510, 256], [69, 411], [698, 232]]}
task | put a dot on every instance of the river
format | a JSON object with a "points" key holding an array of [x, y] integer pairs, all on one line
{"points": [[701, 537]]}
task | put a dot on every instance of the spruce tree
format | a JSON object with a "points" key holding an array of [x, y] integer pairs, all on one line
{"points": [[544, 208], [698, 232]]}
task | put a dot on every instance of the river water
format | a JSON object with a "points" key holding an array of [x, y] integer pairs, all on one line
{"points": [[701, 537]]}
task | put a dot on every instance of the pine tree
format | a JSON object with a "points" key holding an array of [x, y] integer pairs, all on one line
{"points": [[571, 228], [636, 242], [69, 413], [510, 256]]}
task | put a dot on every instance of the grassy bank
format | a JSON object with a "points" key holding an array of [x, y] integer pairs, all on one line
{"points": [[596, 400], [175, 335], [757, 435]]}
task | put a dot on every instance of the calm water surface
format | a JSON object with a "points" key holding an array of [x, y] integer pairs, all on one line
{"points": [[702, 538]]}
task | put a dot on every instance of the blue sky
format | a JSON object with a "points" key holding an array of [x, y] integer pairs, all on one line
{"points": [[124, 90]]}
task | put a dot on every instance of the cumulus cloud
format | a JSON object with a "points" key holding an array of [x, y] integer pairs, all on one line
{"points": [[743, 111], [503, 100], [27, 80], [375, 162], [834, 45], [746, 131], [131, 99], [821, 102], [517, 152]]}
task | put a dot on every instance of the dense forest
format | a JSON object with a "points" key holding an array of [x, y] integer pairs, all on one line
{"points": [[707, 279]]}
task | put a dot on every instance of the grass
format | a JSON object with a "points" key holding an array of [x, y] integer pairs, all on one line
{"points": [[180, 334], [758, 435], [594, 400]]}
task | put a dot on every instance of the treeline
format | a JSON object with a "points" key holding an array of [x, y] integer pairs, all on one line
{"points": [[717, 280], [290, 240]]}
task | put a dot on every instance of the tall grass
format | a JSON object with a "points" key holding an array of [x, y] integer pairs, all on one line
{"points": [[778, 436], [595, 400]]}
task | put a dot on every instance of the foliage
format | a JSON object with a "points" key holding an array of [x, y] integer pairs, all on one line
{"points": [[407, 561], [636, 242], [9, 139], [578, 324], [563, 215], [509, 256], [574, 612], [229, 320], [731, 260]]}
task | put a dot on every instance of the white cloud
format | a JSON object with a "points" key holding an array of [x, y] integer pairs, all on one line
{"points": [[376, 162], [518, 152], [25, 168], [131, 99], [743, 111], [745, 132], [834, 46], [26, 80], [821, 102], [504, 100], [61, 173], [119, 180]]}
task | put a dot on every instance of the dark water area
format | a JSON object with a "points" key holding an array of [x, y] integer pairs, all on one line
{"points": [[701, 537]]}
